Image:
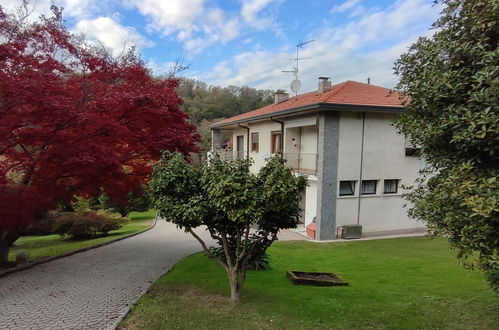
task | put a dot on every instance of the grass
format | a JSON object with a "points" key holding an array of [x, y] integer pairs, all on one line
{"points": [[404, 283], [44, 246]]}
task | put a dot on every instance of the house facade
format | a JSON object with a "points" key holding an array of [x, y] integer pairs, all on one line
{"points": [[341, 138]]}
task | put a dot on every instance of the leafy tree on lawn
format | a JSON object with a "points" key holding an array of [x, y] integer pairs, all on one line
{"points": [[76, 121], [243, 212], [452, 81], [136, 201]]}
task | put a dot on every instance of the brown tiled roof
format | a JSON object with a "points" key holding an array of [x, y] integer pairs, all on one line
{"points": [[348, 93]]}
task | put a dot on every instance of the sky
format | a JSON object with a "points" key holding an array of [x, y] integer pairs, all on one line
{"points": [[250, 42]]}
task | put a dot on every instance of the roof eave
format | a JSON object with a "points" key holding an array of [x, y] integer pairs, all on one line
{"points": [[317, 106]]}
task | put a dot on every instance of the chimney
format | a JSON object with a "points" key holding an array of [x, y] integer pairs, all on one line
{"points": [[368, 81], [324, 85], [280, 95]]}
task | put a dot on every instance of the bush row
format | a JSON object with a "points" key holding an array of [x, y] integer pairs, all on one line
{"points": [[84, 224]]}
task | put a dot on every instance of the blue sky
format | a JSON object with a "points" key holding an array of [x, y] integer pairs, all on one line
{"points": [[249, 42]]}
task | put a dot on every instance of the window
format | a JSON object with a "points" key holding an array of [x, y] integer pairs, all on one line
{"points": [[368, 187], [411, 150], [347, 188], [240, 146], [390, 186], [276, 141], [254, 142]]}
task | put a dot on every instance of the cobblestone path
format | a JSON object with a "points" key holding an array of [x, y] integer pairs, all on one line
{"points": [[92, 289]]}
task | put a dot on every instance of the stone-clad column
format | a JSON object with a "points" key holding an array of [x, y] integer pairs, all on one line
{"points": [[327, 174]]}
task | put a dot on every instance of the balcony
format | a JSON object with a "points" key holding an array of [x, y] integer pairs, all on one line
{"points": [[224, 154], [302, 162]]}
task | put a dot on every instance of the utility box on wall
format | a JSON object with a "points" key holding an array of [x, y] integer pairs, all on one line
{"points": [[311, 228], [350, 231]]}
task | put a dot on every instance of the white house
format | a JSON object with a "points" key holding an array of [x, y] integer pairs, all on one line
{"points": [[342, 139]]}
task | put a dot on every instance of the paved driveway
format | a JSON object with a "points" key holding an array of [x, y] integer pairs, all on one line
{"points": [[92, 289]]}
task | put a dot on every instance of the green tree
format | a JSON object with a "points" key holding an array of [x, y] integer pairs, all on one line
{"points": [[243, 212], [137, 201], [452, 87]]}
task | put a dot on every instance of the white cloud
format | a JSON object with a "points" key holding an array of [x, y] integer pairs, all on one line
{"points": [[261, 15], [250, 9], [160, 68], [112, 34], [170, 15], [79, 9], [221, 70], [260, 69], [35, 8], [347, 5], [191, 22], [365, 47]]}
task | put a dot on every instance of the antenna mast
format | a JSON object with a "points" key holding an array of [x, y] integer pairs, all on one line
{"points": [[296, 83]]}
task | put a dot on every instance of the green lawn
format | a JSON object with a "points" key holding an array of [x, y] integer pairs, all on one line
{"points": [[403, 283], [51, 245]]}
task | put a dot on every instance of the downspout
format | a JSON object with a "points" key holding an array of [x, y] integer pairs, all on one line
{"points": [[361, 164], [281, 144], [247, 139]]}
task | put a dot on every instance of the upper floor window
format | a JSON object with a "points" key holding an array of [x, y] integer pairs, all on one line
{"points": [[368, 187], [276, 141], [347, 188], [390, 186], [254, 142], [411, 149]]}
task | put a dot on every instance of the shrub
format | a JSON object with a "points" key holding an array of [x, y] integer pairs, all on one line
{"points": [[86, 224], [44, 226], [136, 201]]}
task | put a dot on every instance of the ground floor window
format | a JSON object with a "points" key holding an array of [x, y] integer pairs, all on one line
{"points": [[347, 188], [240, 146], [276, 142], [390, 186], [368, 187]]}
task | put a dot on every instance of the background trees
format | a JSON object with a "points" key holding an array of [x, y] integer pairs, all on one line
{"points": [[205, 102], [242, 212], [452, 80], [208, 104], [75, 120]]}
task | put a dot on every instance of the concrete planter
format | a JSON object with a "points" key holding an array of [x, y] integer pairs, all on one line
{"points": [[315, 278]]}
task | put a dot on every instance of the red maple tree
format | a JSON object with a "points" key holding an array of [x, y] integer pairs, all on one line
{"points": [[76, 120]]}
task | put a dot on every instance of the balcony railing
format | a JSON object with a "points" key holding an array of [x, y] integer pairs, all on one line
{"points": [[225, 154], [302, 162]]}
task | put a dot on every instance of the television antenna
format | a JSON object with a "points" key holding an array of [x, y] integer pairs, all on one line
{"points": [[296, 83]]}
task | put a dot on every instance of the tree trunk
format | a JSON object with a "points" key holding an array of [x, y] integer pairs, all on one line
{"points": [[7, 238], [236, 280]]}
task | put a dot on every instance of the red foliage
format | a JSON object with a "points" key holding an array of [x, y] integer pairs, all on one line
{"points": [[75, 120]]}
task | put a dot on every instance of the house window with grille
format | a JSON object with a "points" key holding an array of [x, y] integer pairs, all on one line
{"points": [[390, 186], [368, 187], [254, 142], [347, 188]]}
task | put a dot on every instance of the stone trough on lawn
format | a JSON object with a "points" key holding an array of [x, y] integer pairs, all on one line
{"points": [[315, 278]]}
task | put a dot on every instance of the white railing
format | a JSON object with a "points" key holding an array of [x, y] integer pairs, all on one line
{"points": [[302, 162], [225, 154]]}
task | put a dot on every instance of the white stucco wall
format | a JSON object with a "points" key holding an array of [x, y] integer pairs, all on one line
{"points": [[310, 200], [384, 158], [305, 142], [264, 130]]}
